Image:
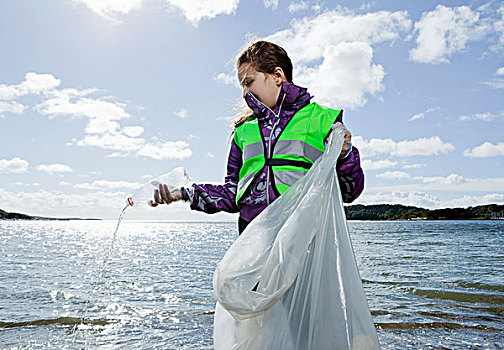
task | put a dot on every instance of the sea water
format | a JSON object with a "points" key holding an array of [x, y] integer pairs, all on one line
{"points": [[429, 284]]}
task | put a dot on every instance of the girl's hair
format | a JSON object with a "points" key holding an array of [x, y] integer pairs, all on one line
{"points": [[264, 57]]}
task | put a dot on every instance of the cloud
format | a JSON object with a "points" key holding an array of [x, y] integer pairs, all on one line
{"points": [[471, 201], [104, 204], [15, 165], [102, 115], [368, 164], [444, 31], [496, 83], [413, 166], [54, 168], [111, 9], [486, 117], [133, 131], [68, 93], [417, 116], [11, 107], [333, 53], [46, 203], [117, 142], [34, 83], [414, 198], [451, 179], [193, 10], [24, 184], [308, 38], [345, 75], [452, 182], [271, 3], [498, 27], [426, 200], [108, 185], [118, 155], [406, 148], [394, 175], [196, 10], [455, 182], [422, 115], [166, 150], [422, 147], [126, 146], [181, 113], [227, 79], [297, 6], [485, 150], [103, 129]]}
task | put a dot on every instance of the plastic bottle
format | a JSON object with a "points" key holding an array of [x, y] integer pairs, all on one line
{"points": [[142, 195]]}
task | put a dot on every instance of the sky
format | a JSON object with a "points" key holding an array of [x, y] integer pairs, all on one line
{"points": [[98, 96]]}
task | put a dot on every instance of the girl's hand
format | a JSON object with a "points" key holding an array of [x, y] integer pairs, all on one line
{"points": [[164, 196], [347, 142]]}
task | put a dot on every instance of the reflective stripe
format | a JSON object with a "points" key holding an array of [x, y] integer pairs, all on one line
{"points": [[288, 178], [297, 148], [243, 182], [252, 150]]}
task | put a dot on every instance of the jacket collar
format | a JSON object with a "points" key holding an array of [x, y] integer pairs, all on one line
{"points": [[291, 98]]}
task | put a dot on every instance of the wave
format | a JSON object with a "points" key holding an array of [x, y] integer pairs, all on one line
{"points": [[365, 281], [480, 286], [497, 310], [459, 296], [434, 325], [455, 317], [60, 321], [188, 314]]}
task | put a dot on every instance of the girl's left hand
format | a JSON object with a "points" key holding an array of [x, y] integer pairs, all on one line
{"points": [[347, 142]]}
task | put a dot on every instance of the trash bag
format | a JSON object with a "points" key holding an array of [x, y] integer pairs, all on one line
{"points": [[290, 281]]}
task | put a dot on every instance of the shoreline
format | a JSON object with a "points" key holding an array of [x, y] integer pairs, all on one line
{"points": [[373, 212], [4, 215]]}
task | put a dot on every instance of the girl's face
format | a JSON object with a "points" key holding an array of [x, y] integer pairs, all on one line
{"points": [[265, 87]]}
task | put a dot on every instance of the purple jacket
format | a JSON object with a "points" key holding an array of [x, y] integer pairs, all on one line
{"points": [[215, 198]]}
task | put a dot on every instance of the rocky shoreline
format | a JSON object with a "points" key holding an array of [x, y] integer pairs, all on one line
{"points": [[18, 216]]}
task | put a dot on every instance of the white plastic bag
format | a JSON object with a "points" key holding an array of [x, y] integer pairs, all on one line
{"points": [[290, 281]]}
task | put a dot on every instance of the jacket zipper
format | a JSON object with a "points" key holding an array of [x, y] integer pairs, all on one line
{"points": [[269, 148], [269, 142], [269, 157]]}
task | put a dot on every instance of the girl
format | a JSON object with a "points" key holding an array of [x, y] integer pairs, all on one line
{"points": [[274, 144]]}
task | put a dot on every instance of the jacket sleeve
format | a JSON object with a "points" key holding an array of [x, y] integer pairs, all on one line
{"points": [[350, 176], [214, 198]]}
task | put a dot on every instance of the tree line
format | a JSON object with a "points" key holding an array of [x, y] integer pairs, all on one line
{"points": [[403, 212]]}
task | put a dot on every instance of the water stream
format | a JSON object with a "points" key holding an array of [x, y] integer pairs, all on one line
{"points": [[106, 257]]}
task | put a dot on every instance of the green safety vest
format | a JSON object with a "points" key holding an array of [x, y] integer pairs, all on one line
{"points": [[292, 154]]}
